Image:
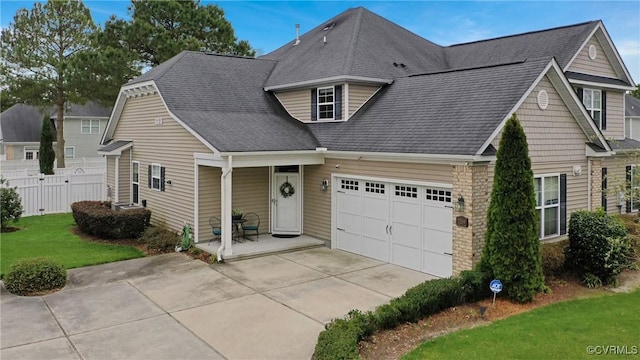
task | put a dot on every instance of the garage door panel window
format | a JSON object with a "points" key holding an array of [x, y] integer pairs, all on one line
{"points": [[547, 191], [346, 184], [438, 195], [407, 191], [375, 188]]}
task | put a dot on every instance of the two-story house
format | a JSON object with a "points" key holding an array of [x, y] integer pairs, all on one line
{"points": [[373, 139], [20, 126]]}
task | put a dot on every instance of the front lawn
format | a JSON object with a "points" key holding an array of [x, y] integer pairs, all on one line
{"points": [[50, 236], [567, 330]]}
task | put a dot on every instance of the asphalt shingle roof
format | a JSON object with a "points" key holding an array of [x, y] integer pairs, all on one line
{"points": [[631, 106], [561, 43], [21, 123], [358, 43], [221, 98], [417, 114]]}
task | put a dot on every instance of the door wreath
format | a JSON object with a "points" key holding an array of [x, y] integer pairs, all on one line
{"points": [[287, 189]]}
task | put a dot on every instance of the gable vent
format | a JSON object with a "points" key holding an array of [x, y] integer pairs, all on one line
{"points": [[592, 52], [543, 99]]}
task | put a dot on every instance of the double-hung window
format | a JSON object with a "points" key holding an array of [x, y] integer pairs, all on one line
{"points": [[69, 152], [90, 126], [325, 103], [547, 189], [592, 100], [155, 176], [31, 154]]}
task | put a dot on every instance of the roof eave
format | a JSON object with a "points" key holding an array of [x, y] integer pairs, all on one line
{"points": [[330, 80]]}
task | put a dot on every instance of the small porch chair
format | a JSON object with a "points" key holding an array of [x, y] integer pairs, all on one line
{"points": [[216, 228], [252, 223]]}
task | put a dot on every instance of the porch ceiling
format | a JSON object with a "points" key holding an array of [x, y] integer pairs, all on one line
{"points": [[257, 159]]}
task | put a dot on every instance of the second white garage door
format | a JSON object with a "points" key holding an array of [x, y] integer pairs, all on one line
{"points": [[404, 224]]}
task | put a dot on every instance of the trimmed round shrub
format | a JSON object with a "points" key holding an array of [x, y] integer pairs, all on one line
{"points": [[553, 257], [598, 245], [35, 275], [160, 239]]}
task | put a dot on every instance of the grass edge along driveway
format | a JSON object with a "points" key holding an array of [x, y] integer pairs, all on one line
{"points": [[50, 236], [577, 329]]}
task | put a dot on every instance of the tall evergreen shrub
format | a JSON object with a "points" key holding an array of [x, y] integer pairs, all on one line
{"points": [[512, 247], [47, 155]]}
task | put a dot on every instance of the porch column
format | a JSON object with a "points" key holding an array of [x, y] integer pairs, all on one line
{"points": [[471, 182], [225, 209]]}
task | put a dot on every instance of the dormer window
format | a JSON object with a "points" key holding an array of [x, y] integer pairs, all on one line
{"points": [[595, 102], [326, 103]]}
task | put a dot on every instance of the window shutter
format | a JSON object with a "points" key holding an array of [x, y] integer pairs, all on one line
{"points": [[580, 94], [563, 204], [314, 104], [162, 178], [337, 109], [604, 189], [603, 115], [628, 189], [150, 180]]}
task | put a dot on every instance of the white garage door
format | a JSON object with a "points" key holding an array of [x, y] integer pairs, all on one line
{"points": [[406, 225]]}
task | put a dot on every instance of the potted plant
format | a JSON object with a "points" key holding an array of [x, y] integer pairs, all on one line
{"points": [[236, 213]]}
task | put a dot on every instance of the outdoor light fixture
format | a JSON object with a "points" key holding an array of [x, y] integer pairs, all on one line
{"points": [[460, 204], [324, 185]]}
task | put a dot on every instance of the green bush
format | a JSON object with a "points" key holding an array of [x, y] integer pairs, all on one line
{"points": [[553, 257], [98, 219], [598, 245], [34, 275], [160, 239], [10, 204], [340, 338]]}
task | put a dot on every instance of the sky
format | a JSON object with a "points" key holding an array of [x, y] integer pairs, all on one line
{"points": [[267, 25]]}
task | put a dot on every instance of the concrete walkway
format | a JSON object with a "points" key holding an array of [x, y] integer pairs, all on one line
{"points": [[173, 307]]}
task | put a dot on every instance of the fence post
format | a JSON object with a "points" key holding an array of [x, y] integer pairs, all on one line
{"points": [[41, 193]]}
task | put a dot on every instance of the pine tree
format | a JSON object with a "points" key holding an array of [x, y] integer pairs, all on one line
{"points": [[47, 155], [512, 248]]}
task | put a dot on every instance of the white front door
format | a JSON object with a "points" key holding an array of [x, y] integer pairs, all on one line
{"points": [[286, 208]]}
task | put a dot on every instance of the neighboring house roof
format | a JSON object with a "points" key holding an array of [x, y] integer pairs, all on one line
{"points": [[561, 42], [399, 120], [21, 123], [631, 106], [626, 144], [221, 99], [89, 109], [358, 43]]}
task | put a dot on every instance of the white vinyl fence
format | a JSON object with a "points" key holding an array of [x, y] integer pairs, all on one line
{"points": [[23, 168], [48, 194]]}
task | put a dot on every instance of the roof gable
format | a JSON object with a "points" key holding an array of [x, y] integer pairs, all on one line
{"points": [[355, 43]]}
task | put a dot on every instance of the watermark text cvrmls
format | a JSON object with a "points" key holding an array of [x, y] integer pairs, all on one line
{"points": [[612, 350]]}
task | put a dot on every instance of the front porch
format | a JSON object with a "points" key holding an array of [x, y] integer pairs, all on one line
{"points": [[265, 244]]}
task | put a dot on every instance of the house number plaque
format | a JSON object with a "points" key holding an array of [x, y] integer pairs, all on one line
{"points": [[462, 221]]}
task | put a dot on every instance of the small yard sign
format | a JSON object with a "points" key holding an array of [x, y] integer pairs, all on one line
{"points": [[496, 287]]}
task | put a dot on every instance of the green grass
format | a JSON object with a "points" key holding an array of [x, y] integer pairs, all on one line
{"points": [[50, 236], [559, 331]]}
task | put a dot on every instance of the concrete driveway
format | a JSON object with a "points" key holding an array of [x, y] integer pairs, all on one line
{"points": [[173, 307]]}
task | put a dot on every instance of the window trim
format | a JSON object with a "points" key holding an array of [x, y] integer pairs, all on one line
{"points": [[159, 177], [35, 151], [634, 190], [90, 127], [543, 206], [332, 103], [590, 108], [74, 152], [133, 172]]}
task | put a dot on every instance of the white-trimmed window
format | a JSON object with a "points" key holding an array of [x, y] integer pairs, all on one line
{"points": [[90, 126], [547, 189], [592, 100], [135, 182], [325, 103], [31, 154], [634, 188], [156, 183], [70, 152]]}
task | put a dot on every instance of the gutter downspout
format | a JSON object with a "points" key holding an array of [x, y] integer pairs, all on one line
{"points": [[225, 198]]}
